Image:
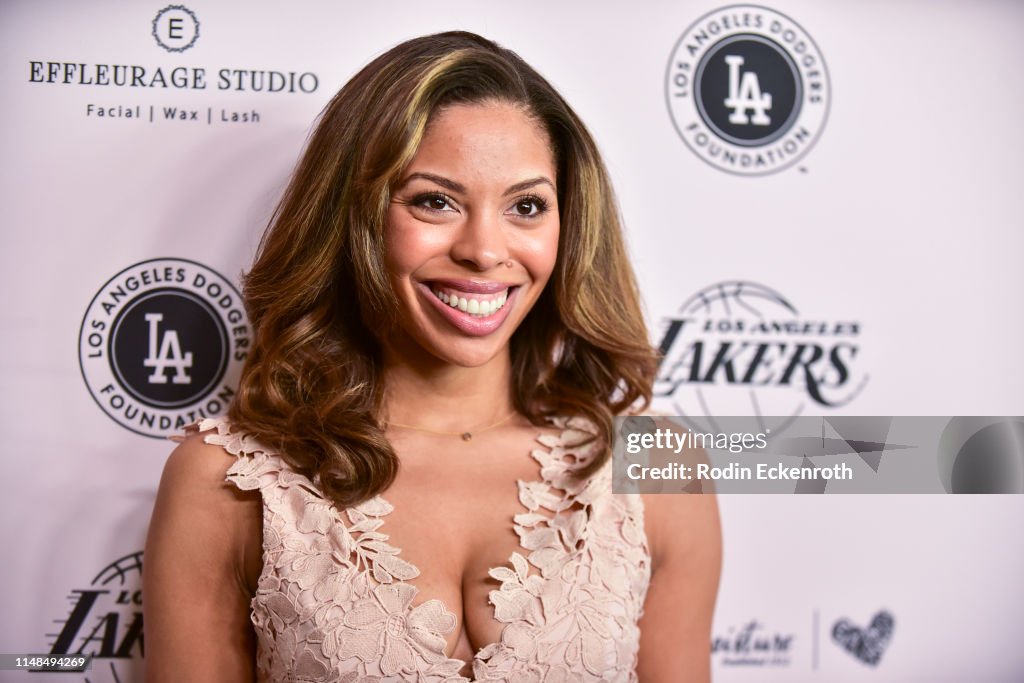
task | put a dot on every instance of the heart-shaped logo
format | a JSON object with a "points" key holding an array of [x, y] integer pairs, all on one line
{"points": [[868, 644]]}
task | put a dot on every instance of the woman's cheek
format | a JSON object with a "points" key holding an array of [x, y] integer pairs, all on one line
{"points": [[540, 252]]}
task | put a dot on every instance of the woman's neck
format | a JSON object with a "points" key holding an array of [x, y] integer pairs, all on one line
{"points": [[443, 397]]}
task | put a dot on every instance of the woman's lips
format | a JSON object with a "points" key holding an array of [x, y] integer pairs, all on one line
{"points": [[470, 286], [474, 308]]}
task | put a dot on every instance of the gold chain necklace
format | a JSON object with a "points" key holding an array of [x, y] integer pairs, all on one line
{"points": [[466, 436]]}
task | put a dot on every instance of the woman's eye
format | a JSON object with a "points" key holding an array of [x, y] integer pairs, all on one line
{"points": [[529, 207], [433, 202]]}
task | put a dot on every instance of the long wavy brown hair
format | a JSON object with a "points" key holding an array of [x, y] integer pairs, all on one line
{"points": [[312, 386]]}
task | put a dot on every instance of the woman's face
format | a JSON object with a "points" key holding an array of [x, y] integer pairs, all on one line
{"points": [[472, 231]]}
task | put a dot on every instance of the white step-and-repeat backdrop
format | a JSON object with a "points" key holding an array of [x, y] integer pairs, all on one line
{"points": [[846, 173]]}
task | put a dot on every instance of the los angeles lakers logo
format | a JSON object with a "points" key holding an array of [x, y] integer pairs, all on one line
{"points": [[748, 90], [104, 621], [162, 344]]}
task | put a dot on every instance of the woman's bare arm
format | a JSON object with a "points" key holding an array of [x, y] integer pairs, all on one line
{"points": [[685, 538], [203, 554]]}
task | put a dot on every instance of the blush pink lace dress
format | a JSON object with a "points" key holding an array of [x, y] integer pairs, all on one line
{"points": [[335, 600]]}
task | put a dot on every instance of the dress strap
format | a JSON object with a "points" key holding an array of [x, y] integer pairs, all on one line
{"points": [[256, 467]]}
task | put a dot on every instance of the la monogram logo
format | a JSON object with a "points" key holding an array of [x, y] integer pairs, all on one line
{"points": [[747, 90], [162, 345], [745, 93], [169, 354]]}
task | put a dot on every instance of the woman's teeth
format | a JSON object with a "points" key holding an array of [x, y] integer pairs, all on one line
{"points": [[479, 308]]}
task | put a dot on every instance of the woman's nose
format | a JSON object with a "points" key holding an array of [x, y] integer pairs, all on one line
{"points": [[481, 242]]}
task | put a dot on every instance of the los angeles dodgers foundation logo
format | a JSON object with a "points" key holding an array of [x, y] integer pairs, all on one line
{"points": [[162, 344], [748, 90]]}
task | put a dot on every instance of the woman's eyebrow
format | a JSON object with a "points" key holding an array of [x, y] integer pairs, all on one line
{"points": [[527, 184], [458, 187], [440, 180]]}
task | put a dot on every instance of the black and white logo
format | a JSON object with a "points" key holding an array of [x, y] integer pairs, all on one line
{"points": [[748, 90], [104, 620], [754, 645], [176, 28], [740, 348], [866, 644], [162, 344]]}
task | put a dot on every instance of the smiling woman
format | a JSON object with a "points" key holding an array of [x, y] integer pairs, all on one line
{"points": [[479, 194], [444, 315]]}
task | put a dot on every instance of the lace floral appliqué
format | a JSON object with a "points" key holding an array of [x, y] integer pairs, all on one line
{"points": [[335, 603]]}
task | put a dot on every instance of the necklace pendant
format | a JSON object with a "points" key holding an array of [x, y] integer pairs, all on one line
{"points": [[466, 436]]}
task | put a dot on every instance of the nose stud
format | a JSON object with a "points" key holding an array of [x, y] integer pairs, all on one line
{"points": [[508, 264]]}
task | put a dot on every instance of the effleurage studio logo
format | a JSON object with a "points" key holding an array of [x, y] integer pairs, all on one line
{"points": [[162, 344], [121, 88], [741, 348], [748, 90], [176, 28]]}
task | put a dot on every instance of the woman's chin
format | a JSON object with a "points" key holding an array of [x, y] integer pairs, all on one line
{"points": [[470, 357], [429, 348]]}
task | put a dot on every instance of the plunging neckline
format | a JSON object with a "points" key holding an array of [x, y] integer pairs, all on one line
{"points": [[510, 567], [554, 492], [385, 602]]}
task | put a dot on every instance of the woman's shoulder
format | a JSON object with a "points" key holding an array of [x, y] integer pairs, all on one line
{"points": [[195, 496], [197, 514], [219, 434], [208, 457], [195, 464], [214, 449]]}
